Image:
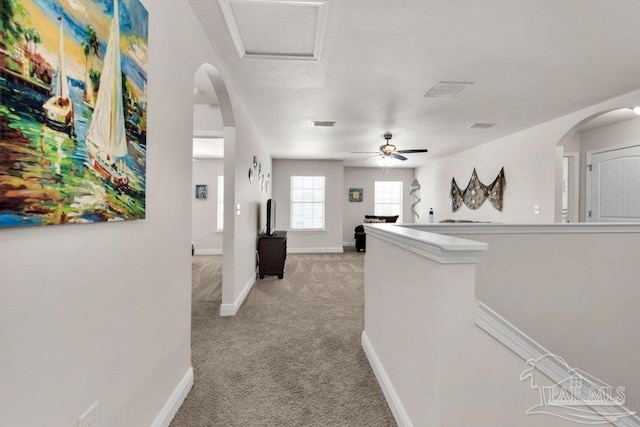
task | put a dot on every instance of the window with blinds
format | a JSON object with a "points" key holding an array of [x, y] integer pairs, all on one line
{"points": [[307, 202], [388, 198]]}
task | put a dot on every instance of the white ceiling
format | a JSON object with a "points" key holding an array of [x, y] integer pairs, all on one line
{"points": [[530, 61]]}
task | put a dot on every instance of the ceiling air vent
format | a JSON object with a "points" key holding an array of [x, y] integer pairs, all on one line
{"points": [[483, 125], [448, 90], [318, 123]]}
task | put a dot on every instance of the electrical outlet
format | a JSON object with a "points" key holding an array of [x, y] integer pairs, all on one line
{"points": [[238, 209], [90, 417], [536, 209]]}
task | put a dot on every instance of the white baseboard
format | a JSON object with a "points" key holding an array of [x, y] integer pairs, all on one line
{"points": [[393, 400], [208, 252], [338, 250], [556, 369], [171, 406], [232, 309], [351, 243]]}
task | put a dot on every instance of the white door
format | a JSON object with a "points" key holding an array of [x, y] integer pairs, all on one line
{"points": [[615, 186]]}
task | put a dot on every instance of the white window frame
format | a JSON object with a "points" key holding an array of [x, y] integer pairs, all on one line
{"points": [[376, 202], [220, 213], [293, 201]]}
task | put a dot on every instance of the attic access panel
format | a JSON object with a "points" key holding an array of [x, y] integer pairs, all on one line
{"points": [[272, 29]]}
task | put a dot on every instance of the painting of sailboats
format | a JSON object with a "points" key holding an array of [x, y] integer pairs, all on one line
{"points": [[73, 111]]}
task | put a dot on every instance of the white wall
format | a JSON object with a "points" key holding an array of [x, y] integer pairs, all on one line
{"points": [[625, 132], [572, 143], [529, 159], [249, 196], [420, 331], [102, 312], [331, 238], [204, 232], [574, 293], [207, 118], [354, 212], [529, 179]]}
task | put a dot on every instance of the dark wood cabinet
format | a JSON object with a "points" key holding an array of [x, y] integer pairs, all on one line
{"points": [[272, 253]]}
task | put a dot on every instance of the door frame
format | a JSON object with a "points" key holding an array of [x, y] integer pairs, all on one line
{"points": [[574, 185], [588, 172]]}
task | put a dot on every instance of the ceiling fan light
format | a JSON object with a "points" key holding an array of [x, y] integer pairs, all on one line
{"points": [[636, 110], [387, 149]]}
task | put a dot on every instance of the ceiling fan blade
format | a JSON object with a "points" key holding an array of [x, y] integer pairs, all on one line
{"points": [[371, 157], [365, 152], [412, 151], [398, 156]]}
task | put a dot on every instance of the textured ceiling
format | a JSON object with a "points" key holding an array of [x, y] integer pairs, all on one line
{"points": [[530, 61]]}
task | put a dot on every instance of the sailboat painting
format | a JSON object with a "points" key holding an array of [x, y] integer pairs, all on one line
{"points": [[73, 111]]}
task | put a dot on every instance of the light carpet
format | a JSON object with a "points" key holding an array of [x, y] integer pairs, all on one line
{"points": [[291, 356]]}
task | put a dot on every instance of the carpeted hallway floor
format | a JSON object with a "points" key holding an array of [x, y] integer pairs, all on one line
{"points": [[292, 354]]}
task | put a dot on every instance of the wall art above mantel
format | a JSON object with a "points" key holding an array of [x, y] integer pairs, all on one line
{"points": [[476, 192]]}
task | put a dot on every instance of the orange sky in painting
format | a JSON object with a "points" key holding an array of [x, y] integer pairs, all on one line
{"points": [[81, 11], [50, 35]]}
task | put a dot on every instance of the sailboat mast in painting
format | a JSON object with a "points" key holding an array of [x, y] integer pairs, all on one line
{"points": [[59, 108], [73, 116], [107, 138]]}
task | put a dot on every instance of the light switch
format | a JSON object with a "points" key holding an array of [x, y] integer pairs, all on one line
{"points": [[536, 209], [238, 209]]}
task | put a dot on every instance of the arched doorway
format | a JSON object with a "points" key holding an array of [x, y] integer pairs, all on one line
{"points": [[588, 190], [214, 151]]}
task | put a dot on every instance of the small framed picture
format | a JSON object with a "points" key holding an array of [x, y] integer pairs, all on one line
{"points": [[201, 191], [355, 194]]}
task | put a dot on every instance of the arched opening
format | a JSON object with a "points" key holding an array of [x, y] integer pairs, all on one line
{"points": [[598, 169], [213, 188]]}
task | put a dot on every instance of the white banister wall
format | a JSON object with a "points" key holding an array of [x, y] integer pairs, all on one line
{"points": [[434, 365], [574, 288]]}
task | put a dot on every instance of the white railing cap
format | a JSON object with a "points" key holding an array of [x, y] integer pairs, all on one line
{"points": [[438, 247], [551, 228]]}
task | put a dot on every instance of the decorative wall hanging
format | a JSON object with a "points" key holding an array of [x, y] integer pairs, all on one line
{"points": [[73, 117], [201, 191], [414, 193], [476, 192], [355, 194], [251, 175]]}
